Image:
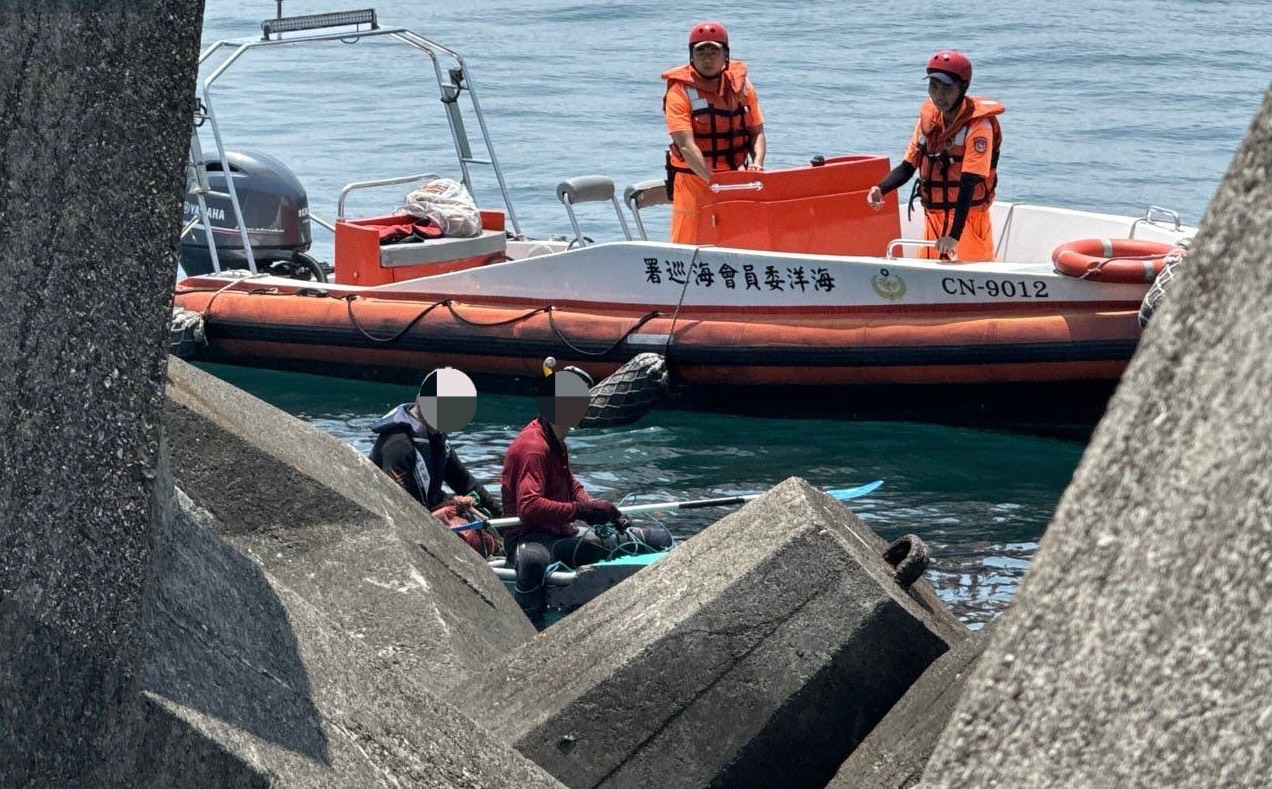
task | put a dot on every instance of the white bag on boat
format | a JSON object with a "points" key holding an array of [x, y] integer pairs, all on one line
{"points": [[447, 204]]}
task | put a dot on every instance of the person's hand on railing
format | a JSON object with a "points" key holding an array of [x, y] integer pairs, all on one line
{"points": [[947, 246]]}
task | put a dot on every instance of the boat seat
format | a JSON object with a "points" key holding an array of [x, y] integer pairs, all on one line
{"points": [[643, 195], [646, 194], [589, 189], [442, 250]]}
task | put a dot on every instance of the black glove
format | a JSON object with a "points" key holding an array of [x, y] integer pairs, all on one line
{"points": [[596, 512]]}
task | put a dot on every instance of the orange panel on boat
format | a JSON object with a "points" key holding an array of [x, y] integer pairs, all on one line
{"points": [[358, 258], [818, 210]]}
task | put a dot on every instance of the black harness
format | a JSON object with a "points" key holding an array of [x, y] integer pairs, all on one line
{"points": [[727, 127]]}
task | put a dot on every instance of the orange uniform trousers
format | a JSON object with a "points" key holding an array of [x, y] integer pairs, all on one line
{"points": [[691, 193], [977, 242]]}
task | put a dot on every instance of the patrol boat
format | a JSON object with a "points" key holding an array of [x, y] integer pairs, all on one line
{"points": [[800, 299]]}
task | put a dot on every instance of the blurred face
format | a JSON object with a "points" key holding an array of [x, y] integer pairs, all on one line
{"points": [[708, 59], [945, 97]]}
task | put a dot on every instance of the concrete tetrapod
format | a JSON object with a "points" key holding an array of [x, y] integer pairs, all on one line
{"points": [[758, 653], [895, 752], [1136, 652], [248, 684], [94, 131], [137, 649], [337, 531]]}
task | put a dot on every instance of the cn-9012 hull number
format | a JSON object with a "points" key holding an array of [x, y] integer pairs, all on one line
{"points": [[996, 288]]}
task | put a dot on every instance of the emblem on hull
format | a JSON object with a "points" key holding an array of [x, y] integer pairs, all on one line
{"points": [[888, 285]]}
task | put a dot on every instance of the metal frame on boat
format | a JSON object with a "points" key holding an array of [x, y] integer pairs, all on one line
{"points": [[453, 81]]}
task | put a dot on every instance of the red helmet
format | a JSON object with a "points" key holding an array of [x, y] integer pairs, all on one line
{"points": [[709, 31], [956, 64]]}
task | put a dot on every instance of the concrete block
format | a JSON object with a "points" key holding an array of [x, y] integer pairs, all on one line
{"points": [[336, 530], [93, 134], [758, 653], [1136, 652], [895, 752], [246, 683]]}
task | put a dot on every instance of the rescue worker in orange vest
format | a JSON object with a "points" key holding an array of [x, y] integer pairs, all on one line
{"points": [[955, 151], [715, 122]]}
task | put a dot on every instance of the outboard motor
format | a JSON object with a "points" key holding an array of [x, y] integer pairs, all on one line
{"points": [[275, 210]]}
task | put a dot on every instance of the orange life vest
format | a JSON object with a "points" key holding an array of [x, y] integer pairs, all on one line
{"points": [[719, 120], [942, 149]]}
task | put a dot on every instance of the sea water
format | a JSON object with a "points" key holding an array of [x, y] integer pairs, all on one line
{"points": [[1110, 107]]}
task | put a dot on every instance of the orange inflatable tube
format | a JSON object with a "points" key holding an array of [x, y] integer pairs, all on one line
{"points": [[324, 331]]}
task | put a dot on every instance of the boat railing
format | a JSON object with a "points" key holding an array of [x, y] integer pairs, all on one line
{"points": [[907, 242], [749, 186], [197, 183], [1003, 232], [589, 189], [1029, 232], [355, 186], [449, 68], [654, 192], [1149, 219]]}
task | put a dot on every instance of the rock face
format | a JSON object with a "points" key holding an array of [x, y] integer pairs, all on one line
{"points": [[335, 529], [1137, 650], [758, 653], [91, 181], [895, 752], [136, 647]]}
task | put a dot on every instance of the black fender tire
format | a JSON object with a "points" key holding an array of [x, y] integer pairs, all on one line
{"points": [[629, 393], [908, 557]]}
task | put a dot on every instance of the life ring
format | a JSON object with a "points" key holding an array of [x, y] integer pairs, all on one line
{"points": [[1113, 260]]}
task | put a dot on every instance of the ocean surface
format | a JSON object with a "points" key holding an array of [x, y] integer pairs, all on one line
{"points": [[1110, 107]]}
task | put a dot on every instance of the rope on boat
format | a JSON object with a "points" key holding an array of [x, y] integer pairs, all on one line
{"points": [[207, 309], [1098, 267], [449, 304], [684, 289], [548, 571], [622, 338], [1157, 292], [186, 335], [632, 547], [354, 320], [235, 275]]}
